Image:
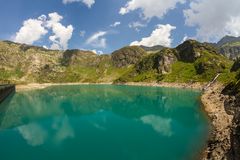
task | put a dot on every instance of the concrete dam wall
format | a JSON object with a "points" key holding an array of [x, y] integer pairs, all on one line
{"points": [[5, 91]]}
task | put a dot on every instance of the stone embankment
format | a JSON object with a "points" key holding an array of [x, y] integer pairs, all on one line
{"points": [[5, 91]]}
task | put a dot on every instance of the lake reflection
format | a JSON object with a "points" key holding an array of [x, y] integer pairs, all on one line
{"points": [[113, 122]]}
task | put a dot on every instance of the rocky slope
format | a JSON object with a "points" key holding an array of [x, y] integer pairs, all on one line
{"points": [[127, 56], [28, 64], [219, 143], [232, 106], [189, 62], [222, 104]]}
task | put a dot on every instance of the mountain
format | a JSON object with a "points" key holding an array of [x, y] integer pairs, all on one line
{"points": [[127, 56], [228, 40], [229, 46], [22, 63], [189, 62]]}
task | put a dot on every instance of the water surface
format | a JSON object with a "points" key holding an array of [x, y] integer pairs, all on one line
{"points": [[102, 122]]}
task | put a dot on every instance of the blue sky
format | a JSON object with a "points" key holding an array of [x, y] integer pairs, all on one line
{"points": [[159, 21]]}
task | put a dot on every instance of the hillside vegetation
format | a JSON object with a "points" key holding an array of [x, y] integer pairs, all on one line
{"points": [[189, 62]]}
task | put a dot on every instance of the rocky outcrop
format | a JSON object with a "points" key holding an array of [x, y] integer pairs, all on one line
{"points": [[231, 52], [161, 61], [236, 65], [76, 57], [191, 50], [127, 56]]}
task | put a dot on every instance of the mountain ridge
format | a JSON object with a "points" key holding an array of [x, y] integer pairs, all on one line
{"points": [[27, 64]]}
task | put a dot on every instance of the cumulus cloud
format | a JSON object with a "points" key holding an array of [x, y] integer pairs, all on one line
{"points": [[214, 18], [34, 29], [184, 38], [150, 8], [61, 34], [88, 3], [160, 36], [97, 40], [115, 24], [31, 31], [137, 25], [97, 51], [159, 124], [33, 133]]}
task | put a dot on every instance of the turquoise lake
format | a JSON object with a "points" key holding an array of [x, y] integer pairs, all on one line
{"points": [[103, 122]]}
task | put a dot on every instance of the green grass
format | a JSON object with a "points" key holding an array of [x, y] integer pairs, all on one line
{"points": [[181, 72], [233, 44]]}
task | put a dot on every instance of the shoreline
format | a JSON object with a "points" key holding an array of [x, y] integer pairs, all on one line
{"points": [[212, 100], [35, 86], [219, 141]]}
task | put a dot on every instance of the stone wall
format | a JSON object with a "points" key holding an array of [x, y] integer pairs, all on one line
{"points": [[5, 91]]}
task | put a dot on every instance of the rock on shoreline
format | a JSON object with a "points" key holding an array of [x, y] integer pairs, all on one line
{"points": [[220, 142]]}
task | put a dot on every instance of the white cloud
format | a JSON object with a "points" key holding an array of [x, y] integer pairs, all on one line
{"points": [[115, 24], [45, 47], [61, 34], [34, 29], [97, 40], [160, 36], [159, 124], [214, 18], [31, 31], [184, 38], [33, 133], [137, 25], [150, 8], [88, 3], [97, 51]]}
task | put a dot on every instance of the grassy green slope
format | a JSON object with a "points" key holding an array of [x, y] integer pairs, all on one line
{"points": [[203, 69], [28, 64]]}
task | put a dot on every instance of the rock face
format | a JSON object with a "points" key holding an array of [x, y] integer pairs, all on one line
{"points": [[236, 65], [191, 50], [127, 56], [161, 61], [231, 52], [76, 57]]}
